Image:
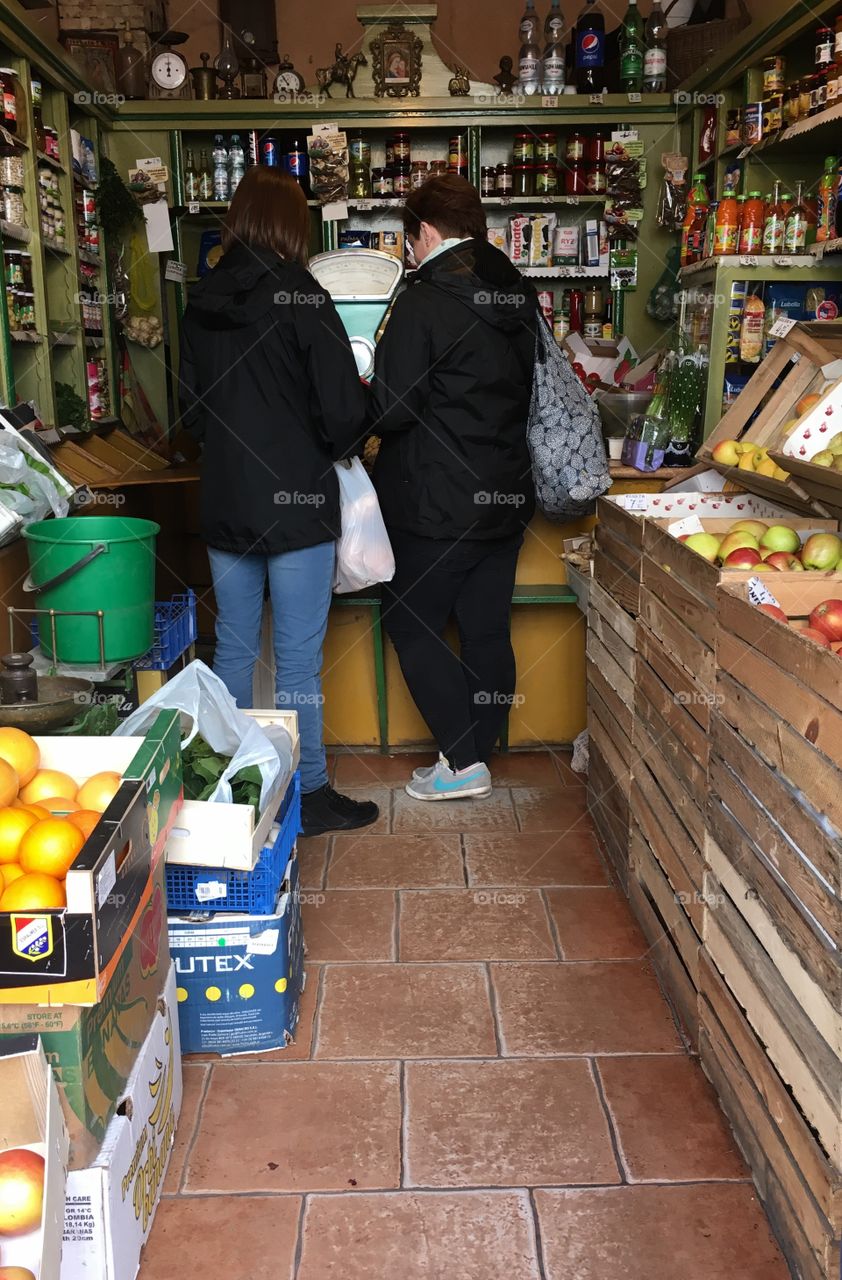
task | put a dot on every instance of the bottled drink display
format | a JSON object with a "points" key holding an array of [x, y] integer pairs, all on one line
{"points": [[191, 176], [590, 48], [751, 226], [220, 169], [205, 177], [236, 163], [727, 225], [828, 196], [529, 58], [553, 61], [796, 224], [655, 57], [631, 50]]}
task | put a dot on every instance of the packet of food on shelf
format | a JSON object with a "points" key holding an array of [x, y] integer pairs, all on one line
{"points": [[541, 239], [520, 238], [499, 237]]}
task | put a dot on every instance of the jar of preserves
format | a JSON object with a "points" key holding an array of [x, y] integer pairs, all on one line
{"points": [[774, 72], [8, 81], [13, 207], [401, 180], [575, 147], [546, 148], [574, 180], [359, 185], [595, 180], [418, 174], [595, 149], [817, 93], [359, 151], [546, 179], [524, 180], [488, 180], [457, 159], [523, 150], [400, 146], [804, 98], [792, 104], [773, 114], [390, 152], [505, 179], [382, 182]]}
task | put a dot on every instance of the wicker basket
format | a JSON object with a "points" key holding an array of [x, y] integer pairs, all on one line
{"points": [[688, 48]]}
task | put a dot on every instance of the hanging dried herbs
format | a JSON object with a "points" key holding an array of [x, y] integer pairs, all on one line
{"points": [[117, 207]]}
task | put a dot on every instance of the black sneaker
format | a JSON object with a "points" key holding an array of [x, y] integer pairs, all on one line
{"points": [[327, 810]]}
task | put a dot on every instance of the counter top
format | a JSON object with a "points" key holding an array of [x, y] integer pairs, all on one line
{"points": [[619, 471]]}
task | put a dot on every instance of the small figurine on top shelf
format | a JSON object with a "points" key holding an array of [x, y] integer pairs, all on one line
{"points": [[343, 71], [460, 85], [504, 78]]}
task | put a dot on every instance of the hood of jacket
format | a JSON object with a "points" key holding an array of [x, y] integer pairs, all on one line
{"points": [[484, 279], [241, 287]]}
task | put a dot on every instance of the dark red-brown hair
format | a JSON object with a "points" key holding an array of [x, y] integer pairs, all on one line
{"points": [[269, 211], [450, 204]]}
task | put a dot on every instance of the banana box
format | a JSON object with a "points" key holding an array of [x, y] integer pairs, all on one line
{"points": [[69, 955], [93, 1050], [110, 1206], [239, 976]]}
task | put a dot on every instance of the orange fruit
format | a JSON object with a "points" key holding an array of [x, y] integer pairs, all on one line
{"points": [[16, 1273], [13, 825], [85, 820], [50, 847], [38, 811], [33, 892], [8, 872], [58, 805], [100, 789], [9, 784], [47, 783], [21, 752]]}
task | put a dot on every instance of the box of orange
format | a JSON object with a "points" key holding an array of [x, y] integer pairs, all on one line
{"points": [[65, 948]]}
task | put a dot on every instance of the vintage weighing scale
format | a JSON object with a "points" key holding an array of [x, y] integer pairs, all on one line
{"points": [[362, 283]]}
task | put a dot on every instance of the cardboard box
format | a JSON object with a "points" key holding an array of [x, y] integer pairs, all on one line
{"points": [[93, 1050], [69, 956], [229, 835], [240, 977], [110, 1205], [30, 1120]]}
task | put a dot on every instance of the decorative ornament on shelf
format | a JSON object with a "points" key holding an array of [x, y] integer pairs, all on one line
{"points": [[168, 72], [460, 85], [343, 71], [288, 81], [252, 73], [227, 66], [396, 63], [204, 80], [505, 77]]}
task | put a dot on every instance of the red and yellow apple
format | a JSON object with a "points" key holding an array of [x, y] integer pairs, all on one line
{"points": [[783, 561], [726, 453], [755, 527], [827, 618], [736, 539], [742, 558], [821, 551], [774, 611], [818, 637], [704, 544], [21, 1191]]}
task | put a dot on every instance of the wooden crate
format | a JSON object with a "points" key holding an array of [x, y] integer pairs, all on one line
{"points": [[609, 806], [799, 1187], [796, 360]]}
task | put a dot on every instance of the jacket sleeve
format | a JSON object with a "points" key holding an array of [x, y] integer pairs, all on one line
{"points": [[401, 385], [337, 404], [189, 399]]}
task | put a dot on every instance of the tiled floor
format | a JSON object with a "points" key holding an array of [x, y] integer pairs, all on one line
{"points": [[487, 1083]]}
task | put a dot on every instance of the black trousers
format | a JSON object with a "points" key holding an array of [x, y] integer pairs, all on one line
{"points": [[464, 698]]}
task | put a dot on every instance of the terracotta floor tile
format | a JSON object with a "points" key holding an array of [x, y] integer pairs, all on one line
{"points": [[361, 861], [524, 769], [194, 1077], [582, 1008], [504, 1124], [382, 797], [558, 809], [495, 813], [595, 924], [668, 1121], [369, 768], [238, 1237], [405, 1011], [419, 1235], [349, 925], [657, 1233], [312, 861], [534, 858], [305, 1126], [474, 924]]}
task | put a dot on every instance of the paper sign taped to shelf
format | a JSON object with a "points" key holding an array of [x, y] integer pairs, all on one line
{"points": [[211, 891], [158, 230], [782, 327], [336, 211], [175, 270], [549, 101], [690, 524], [758, 593], [636, 502]]}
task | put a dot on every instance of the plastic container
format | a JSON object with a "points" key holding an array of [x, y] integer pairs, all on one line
{"points": [[91, 563], [175, 631], [618, 408], [191, 888]]}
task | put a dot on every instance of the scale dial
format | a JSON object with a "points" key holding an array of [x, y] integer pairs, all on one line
{"points": [[168, 71], [357, 275]]}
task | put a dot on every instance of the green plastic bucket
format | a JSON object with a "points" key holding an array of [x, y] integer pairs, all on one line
{"points": [[87, 563]]}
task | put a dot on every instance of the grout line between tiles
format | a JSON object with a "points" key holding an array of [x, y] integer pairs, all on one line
{"points": [[403, 1137], [609, 1119], [447, 1188], [450, 1058], [551, 924], [464, 853], [199, 1113], [536, 1229], [396, 929], [317, 1011], [328, 864], [299, 1243], [495, 1012]]}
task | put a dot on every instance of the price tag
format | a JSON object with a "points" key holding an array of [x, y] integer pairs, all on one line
{"points": [[549, 101], [758, 593], [265, 944], [748, 260], [362, 204], [175, 270], [690, 524], [193, 206], [637, 502], [634, 97], [596, 99], [211, 891], [782, 327], [741, 155], [106, 880]]}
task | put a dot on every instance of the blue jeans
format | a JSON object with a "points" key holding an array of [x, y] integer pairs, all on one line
{"points": [[300, 585]]}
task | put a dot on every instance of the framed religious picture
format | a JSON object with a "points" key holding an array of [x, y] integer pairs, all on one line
{"points": [[94, 53], [396, 63]]}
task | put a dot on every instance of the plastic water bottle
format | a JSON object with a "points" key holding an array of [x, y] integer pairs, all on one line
{"points": [[236, 163], [220, 169], [554, 52], [529, 58]]}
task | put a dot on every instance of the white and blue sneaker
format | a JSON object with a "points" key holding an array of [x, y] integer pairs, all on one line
{"points": [[443, 783], [427, 770]]}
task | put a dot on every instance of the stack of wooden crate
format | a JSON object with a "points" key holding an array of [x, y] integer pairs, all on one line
{"points": [[770, 978]]}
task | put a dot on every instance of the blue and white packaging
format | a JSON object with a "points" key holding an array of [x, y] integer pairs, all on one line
{"points": [[240, 977]]}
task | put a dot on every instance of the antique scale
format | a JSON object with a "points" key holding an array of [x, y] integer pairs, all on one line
{"points": [[362, 283]]}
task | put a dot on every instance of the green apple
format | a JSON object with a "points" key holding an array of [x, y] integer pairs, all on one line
{"points": [[704, 544], [780, 537], [822, 551], [823, 459]]}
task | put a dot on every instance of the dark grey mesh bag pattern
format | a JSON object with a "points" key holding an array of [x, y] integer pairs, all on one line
{"points": [[564, 433]]}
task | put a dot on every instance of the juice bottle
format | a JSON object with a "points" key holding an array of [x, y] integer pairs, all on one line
{"points": [[795, 225], [773, 230], [828, 189], [698, 192], [710, 229], [726, 227], [751, 227], [693, 234]]}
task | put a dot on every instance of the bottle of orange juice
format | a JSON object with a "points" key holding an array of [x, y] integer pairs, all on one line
{"points": [[751, 228], [727, 227]]}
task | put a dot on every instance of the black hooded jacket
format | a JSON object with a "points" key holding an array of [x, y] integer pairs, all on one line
{"points": [[269, 384], [451, 393]]}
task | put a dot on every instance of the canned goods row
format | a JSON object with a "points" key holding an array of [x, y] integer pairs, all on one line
{"points": [[20, 306]]}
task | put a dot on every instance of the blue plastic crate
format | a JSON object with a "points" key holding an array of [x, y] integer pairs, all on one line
{"points": [[175, 631], [254, 891]]}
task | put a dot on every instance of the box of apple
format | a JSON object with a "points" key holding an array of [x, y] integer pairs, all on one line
{"points": [[822, 625], [761, 547], [745, 455]]}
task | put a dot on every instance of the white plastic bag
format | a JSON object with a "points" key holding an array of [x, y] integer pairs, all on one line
{"points": [[363, 553], [203, 697]]}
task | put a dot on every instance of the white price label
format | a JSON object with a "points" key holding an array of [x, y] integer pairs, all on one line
{"points": [[193, 206], [637, 502], [634, 97], [211, 891], [748, 260], [362, 204], [265, 944], [782, 260], [782, 327], [549, 101], [690, 524], [741, 155], [106, 880], [175, 270], [758, 593], [595, 99]]}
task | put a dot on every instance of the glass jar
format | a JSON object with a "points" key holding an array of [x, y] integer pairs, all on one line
{"points": [[418, 174], [774, 72], [733, 128], [524, 180], [546, 179], [817, 93], [488, 180], [359, 151], [595, 149], [382, 182], [575, 147], [8, 80], [804, 98], [792, 104], [401, 179], [773, 114], [505, 179], [546, 150], [359, 186], [390, 152], [457, 154], [13, 207], [595, 180], [523, 150], [11, 171], [574, 180], [400, 146]]}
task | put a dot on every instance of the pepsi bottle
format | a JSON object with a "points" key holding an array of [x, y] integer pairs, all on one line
{"points": [[590, 48]]}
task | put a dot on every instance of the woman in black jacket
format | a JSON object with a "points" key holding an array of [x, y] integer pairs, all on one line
{"points": [[451, 394], [269, 384]]}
